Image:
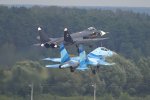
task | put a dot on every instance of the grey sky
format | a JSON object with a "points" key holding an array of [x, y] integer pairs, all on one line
{"points": [[123, 3]]}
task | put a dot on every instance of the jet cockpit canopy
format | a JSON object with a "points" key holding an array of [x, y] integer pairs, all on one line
{"points": [[104, 49], [91, 29]]}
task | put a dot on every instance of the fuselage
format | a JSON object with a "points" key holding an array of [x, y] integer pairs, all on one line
{"points": [[77, 37]]}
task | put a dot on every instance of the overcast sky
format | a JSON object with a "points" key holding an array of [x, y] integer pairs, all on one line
{"points": [[120, 3]]}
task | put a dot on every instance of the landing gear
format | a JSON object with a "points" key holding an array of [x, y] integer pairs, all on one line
{"points": [[77, 46], [93, 71], [98, 68], [90, 46], [72, 69]]}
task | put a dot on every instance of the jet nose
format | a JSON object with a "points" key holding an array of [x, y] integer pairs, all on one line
{"points": [[110, 53], [114, 53]]}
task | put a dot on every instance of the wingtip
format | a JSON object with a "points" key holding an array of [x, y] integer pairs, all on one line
{"points": [[39, 29], [46, 59], [46, 65]]}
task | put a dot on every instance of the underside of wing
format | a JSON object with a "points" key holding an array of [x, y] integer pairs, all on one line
{"points": [[53, 66], [82, 69], [53, 59], [38, 44], [81, 40], [102, 62]]}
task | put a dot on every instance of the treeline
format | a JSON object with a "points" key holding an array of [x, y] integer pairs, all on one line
{"points": [[123, 79], [129, 32], [21, 65]]}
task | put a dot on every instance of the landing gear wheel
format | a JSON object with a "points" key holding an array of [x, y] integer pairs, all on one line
{"points": [[98, 68], [94, 71], [71, 69], [77, 48], [90, 46]]}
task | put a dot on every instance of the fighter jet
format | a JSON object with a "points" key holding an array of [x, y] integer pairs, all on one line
{"points": [[83, 61], [89, 35], [96, 58], [65, 60]]}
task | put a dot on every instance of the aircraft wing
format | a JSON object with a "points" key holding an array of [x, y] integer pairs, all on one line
{"points": [[82, 69], [102, 62], [80, 40], [65, 65], [37, 44], [59, 59], [53, 59], [75, 58], [53, 66]]}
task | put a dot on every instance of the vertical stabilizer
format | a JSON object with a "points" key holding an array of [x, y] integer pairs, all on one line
{"points": [[64, 54], [67, 37], [43, 37], [83, 58]]}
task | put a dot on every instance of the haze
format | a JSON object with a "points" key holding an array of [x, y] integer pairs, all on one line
{"points": [[112, 3]]}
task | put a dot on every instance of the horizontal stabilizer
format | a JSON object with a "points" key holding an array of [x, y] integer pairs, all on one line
{"points": [[53, 59], [59, 59], [53, 66]]}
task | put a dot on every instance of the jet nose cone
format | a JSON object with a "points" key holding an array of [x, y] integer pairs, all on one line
{"points": [[65, 29], [112, 53], [103, 33], [39, 29]]}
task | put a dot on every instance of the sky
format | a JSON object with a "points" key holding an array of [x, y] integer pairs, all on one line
{"points": [[115, 3]]}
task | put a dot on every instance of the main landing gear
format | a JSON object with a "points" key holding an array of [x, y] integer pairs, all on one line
{"points": [[95, 70]]}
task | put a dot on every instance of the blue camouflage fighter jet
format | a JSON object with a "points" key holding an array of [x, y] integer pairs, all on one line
{"points": [[83, 61]]}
